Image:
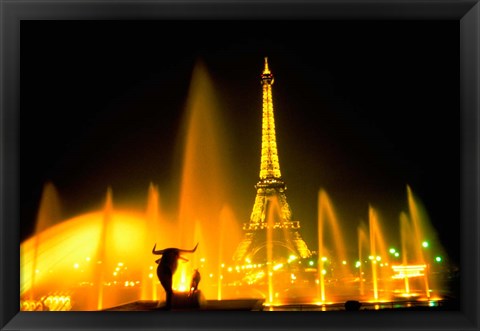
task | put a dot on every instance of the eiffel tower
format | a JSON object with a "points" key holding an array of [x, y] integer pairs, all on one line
{"points": [[270, 195]]}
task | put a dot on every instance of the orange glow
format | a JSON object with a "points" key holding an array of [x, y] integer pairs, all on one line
{"points": [[103, 258], [70, 241], [181, 284]]}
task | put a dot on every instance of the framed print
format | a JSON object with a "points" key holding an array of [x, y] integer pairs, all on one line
{"points": [[240, 165]]}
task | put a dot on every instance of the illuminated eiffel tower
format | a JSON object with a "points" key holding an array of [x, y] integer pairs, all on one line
{"points": [[270, 195]]}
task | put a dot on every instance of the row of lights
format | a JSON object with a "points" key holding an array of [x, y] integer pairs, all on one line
{"points": [[50, 302], [425, 244], [291, 258]]}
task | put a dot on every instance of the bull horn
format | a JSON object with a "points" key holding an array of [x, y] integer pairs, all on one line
{"points": [[156, 252], [189, 251]]}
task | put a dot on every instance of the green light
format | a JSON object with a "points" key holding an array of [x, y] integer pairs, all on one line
{"points": [[310, 263], [425, 244], [357, 264], [397, 254], [392, 250], [438, 259]]}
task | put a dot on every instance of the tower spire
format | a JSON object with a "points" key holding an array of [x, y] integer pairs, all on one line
{"points": [[266, 71], [269, 164]]}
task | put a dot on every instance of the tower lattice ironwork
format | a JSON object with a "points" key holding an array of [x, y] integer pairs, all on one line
{"points": [[270, 210]]}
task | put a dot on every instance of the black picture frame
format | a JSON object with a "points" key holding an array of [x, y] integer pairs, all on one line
{"points": [[12, 13]]}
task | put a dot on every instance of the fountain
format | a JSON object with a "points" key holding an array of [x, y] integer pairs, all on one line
{"points": [[271, 214], [325, 211], [363, 245], [102, 258], [419, 268], [378, 254], [48, 215], [152, 229], [95, 250]]}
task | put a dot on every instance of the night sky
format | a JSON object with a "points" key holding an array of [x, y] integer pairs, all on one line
{"points": [[361, 108]]}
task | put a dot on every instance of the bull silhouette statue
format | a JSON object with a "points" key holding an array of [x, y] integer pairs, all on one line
{"points": [[167, 265]]}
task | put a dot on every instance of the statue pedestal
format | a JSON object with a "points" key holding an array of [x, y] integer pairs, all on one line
{"points": [[183, 300]]}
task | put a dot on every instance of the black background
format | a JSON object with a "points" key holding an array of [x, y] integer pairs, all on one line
{"points": [[362, 108]]}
